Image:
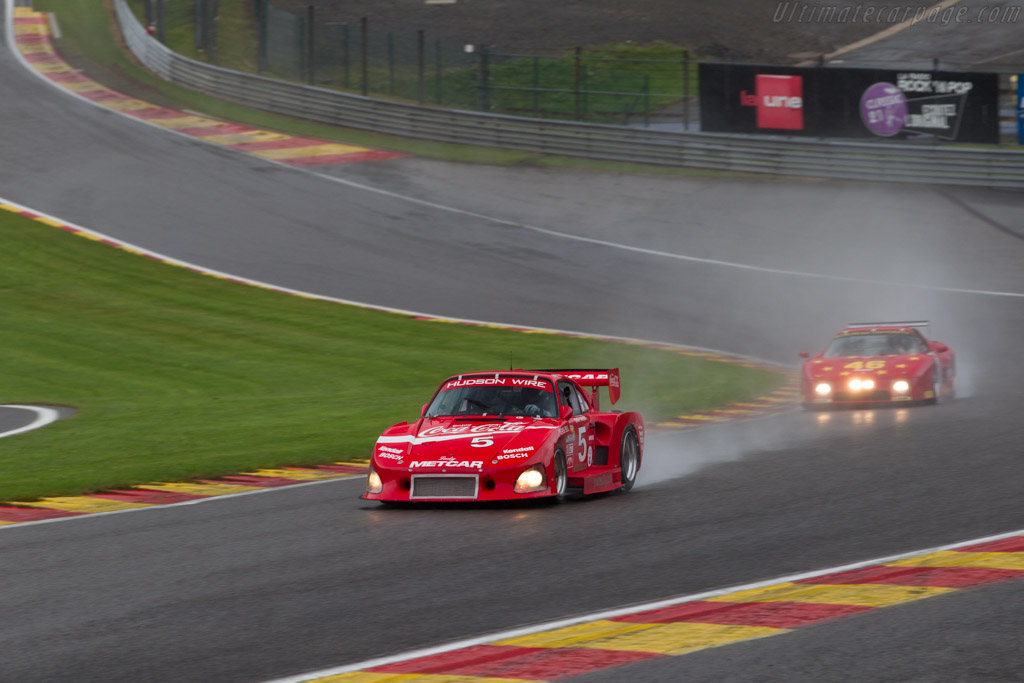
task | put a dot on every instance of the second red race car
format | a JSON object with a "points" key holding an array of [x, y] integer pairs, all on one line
{"points": [[878, 363], [510, 435]]}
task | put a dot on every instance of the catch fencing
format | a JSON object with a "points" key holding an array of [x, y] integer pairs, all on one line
{"points": [[886, 162]]}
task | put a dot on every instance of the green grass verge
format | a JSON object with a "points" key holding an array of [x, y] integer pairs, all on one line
{"points": [[176, 375], [89, 28]]}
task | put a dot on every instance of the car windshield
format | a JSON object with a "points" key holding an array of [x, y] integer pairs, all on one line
{"points": [[497, 396], [887, 344]]}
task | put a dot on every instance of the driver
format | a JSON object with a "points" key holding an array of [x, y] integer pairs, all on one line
{"points": [[539, 403]]}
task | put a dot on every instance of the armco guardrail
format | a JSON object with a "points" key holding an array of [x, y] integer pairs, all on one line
{"points": [[887, 162]]}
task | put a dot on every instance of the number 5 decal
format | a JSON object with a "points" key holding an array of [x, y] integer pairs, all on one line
{"points": [[583, 444], [481, 442]]}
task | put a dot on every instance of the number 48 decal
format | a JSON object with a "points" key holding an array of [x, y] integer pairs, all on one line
{"points": [[870, 365]]}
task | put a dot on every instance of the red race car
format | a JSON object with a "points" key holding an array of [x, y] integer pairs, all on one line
{"points": [[510, 435], [873, 363]]}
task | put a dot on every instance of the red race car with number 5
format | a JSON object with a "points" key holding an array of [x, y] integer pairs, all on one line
{"points": [[510, 435], [873, 363]]}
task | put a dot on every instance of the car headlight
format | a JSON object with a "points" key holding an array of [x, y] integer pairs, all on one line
{"points": [[858, 384], [531, 480], [901, 385], [373, 482], [823, 389]]}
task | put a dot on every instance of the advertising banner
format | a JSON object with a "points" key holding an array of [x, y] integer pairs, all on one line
{"points": [[1020, 109], [849, 103]]}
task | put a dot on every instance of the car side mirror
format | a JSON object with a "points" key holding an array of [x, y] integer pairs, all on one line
{"points": [[939, 346], [805, 354], [565, 412], [423, 410]]}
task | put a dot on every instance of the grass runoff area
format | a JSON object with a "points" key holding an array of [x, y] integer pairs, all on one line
{"points": [[90, 40], [176, 375]]}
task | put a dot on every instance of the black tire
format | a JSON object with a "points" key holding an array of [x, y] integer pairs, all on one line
{"points": [[629, 458], [936, 384], [561, 477]]}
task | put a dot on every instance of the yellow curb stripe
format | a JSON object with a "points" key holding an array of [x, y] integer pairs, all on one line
{"points": [[242, 138], [580, 635], [680, 638], [83, 504], [82, 86], [126, 104], [52, 67], [951, 558], [310, 151], [200, 489], [178, 122], [307, 475], [867, 594]]}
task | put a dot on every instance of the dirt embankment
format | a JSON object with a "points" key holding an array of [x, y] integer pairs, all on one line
{"points": [[734, 30]]}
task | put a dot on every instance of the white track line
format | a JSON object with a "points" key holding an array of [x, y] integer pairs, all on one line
{"points": [[44, 416], [511, 223]]}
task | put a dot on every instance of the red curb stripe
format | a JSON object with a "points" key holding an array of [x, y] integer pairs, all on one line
{"points": [[285, 143], [252, 480], [551, 664], [505, 661], [217, 129], [102, 95], [372, 155], [354, 469], [146, 497], [1007, 545], [445, 661], [945, 577], [41, 57], [16, 514], [19, 21], [68, 77], [773, 614], [152, 112]]}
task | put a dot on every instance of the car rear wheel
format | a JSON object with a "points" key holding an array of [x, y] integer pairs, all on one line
{"points": [[629, 459]]}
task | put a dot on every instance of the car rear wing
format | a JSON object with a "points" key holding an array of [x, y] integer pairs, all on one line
{"points": [[608, 377], [893, 323]]}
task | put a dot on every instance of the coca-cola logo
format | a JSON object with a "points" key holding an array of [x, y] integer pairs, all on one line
{"points": [[498, 428]]}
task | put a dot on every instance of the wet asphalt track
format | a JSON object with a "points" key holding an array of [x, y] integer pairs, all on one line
{"points": [[262, 586]]}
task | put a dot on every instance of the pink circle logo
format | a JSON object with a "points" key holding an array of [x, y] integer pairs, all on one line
{"points": [[883, 108]]}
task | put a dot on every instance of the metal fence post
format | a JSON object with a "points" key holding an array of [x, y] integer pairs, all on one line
{"points": [[310, 44], [391, 63], [577, 85], [363, 50], [200, 24], [421, 66], [261, 47], [536, 85], [149, 13], [346, 56], [686, 90], [161, 21], [647, 100], [438, 83], [483, 94]]}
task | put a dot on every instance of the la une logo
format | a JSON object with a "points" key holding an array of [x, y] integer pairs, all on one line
{"points": [[779, 101]]}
